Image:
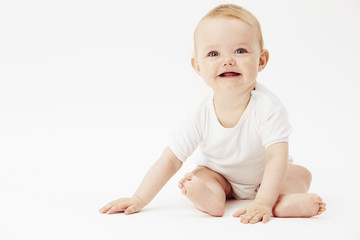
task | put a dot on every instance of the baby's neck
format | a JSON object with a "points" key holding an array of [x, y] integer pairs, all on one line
{"points": [[229, 109], [231, 102]]}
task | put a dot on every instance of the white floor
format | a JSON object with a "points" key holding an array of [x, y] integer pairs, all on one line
{"points": [[170, 216], [55, 194], [55, 177]]}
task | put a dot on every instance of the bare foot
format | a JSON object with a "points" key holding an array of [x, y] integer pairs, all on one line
{"points": [[299, 205], [198, 192]]}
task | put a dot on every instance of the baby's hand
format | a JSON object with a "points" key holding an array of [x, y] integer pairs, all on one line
{"points": [[126, 205], [254, 213]]}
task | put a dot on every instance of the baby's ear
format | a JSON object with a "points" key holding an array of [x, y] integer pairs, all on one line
{"points": [[195, 64], [264, 58]]}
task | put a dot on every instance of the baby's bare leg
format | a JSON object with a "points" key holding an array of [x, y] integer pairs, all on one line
{"points": [[298, 180], [207, 189], [294, 201]]}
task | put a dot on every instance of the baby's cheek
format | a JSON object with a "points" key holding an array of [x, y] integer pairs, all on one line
{"points": [[208, 81], [253, 68]]}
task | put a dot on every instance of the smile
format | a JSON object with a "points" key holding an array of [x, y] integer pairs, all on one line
{"points": [[229, 74]]}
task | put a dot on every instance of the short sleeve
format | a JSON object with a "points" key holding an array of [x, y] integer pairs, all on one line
{"points": [[275, 127], [185, 139]]}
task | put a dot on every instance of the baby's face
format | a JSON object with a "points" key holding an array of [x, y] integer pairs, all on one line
{"points": [[228, 54]]}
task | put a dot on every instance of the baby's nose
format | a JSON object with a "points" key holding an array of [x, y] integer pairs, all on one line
{"points": [[228, 62]]}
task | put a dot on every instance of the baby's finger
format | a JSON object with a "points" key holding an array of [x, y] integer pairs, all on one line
{"points": [[266, 218], [247, 217], [105, 208], [115, 209], [256, 218], [109, 211], [239, 212], [130, 210], [117, 206]]}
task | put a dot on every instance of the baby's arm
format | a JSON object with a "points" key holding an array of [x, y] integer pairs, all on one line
{"points": [[275, 171], [157, 176], [277, 157]]}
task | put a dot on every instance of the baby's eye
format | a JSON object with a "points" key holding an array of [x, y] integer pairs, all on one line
{"points": [[241, 50], [213, 54]]}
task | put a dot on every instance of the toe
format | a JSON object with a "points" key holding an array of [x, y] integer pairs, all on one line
{"points": [[181, 183], [322, 207], [321, 210], [183, 190], [188, 176]]}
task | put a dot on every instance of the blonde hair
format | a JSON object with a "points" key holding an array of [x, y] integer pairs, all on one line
{"points": [[235, 12]]}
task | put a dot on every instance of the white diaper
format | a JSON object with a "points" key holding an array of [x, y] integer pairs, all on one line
{"points": [[243, 191]]}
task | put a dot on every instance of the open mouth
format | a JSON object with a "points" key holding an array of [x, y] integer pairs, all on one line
{"points": [[229, 74]]}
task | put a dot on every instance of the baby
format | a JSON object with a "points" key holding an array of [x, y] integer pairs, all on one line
{"points": [[242, 130]]}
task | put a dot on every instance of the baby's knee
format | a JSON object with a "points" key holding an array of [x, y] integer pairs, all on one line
{"points": [[209, 175], [306, 174], [297, 171], [201, 172]]}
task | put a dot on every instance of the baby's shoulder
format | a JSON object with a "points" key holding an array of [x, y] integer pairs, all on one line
{"points": [[265, 100]]}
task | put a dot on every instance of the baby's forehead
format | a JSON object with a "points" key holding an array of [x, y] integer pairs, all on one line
{"points": [[212, 24], [213, 19], [210, 29]]}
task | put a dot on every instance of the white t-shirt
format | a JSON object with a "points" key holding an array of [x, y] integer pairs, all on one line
{"points": [[236, 153]]}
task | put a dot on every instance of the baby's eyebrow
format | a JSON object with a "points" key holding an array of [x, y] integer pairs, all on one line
{"points": [[210, 48], [243, 44]]}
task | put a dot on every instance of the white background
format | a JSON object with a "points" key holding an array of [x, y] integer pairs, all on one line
{"points": [[90, 92]]}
